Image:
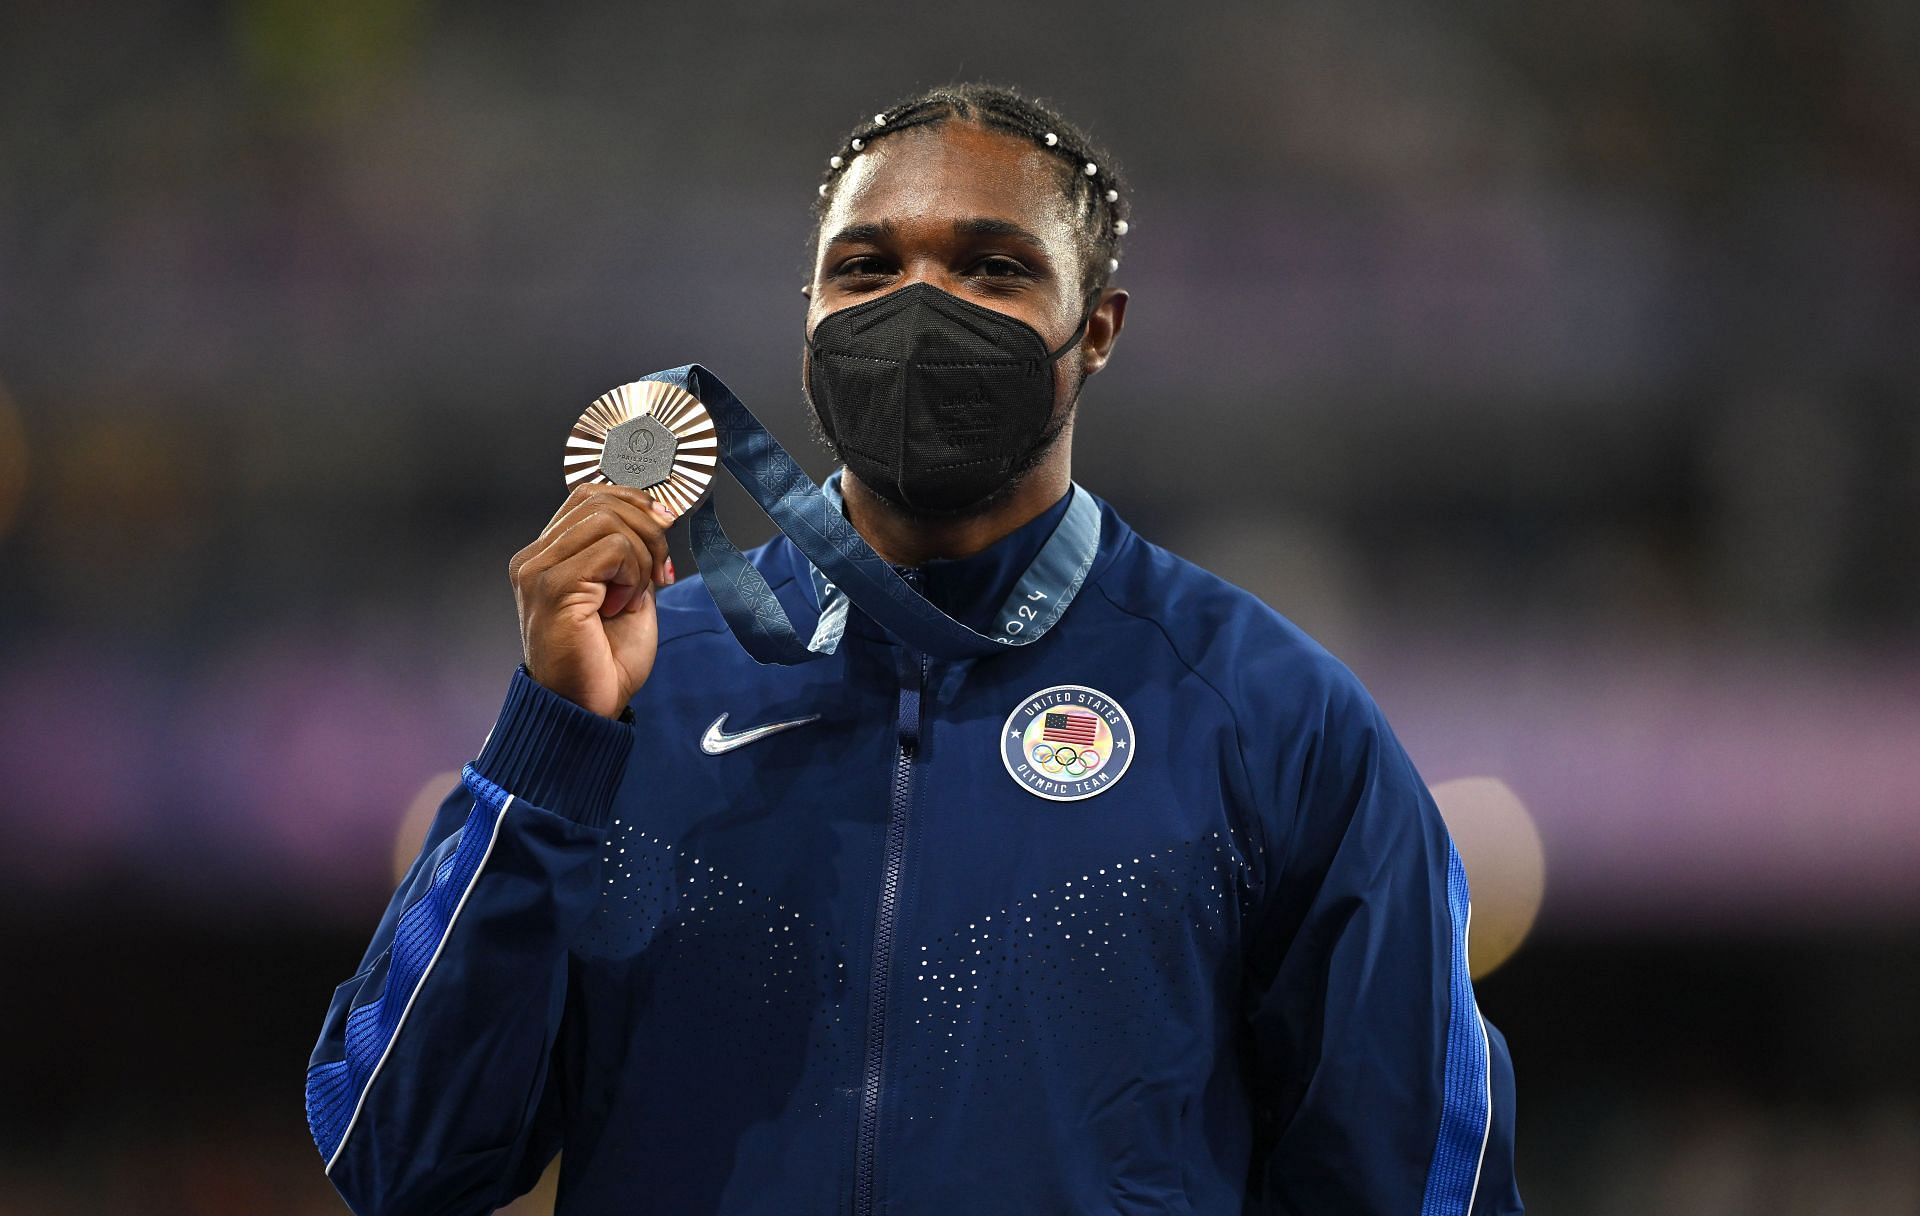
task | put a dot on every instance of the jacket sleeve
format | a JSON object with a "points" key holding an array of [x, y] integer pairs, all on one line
{"points": [[427, 1093], [1380, 1088]]}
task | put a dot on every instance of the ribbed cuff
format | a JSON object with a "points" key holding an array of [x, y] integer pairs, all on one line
{"points": [[556, 755]]}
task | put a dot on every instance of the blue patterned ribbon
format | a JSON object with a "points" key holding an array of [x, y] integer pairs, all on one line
{"points": [[847, 567]]}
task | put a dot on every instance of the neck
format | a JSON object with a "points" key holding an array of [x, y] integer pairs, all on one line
{"points": [[914, 540]]}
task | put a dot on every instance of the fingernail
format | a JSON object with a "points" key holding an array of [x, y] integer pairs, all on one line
{"points": [[669, 569], [663, 511]]}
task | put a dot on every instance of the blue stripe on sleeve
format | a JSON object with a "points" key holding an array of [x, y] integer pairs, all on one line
{"points": [[1466, 1103], [336, 1089]]}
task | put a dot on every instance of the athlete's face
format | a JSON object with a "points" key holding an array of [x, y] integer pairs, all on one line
{"points": [[972, 211]]}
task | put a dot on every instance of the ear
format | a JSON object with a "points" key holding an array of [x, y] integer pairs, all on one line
{"points": [[1103, 328]]}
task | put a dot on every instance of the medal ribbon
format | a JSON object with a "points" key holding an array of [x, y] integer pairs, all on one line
{"points": [[846, 567]]}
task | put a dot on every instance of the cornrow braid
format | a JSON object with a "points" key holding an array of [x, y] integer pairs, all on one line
{"points": [[1089, 177]]}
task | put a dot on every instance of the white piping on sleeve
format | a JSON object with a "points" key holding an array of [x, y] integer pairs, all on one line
{"points": [[425, 974], [1486, 1053]]}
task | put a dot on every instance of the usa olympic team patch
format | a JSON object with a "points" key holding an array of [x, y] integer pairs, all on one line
{"points": [[1067, 742]]}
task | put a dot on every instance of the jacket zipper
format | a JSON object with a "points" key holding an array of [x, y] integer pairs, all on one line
{"points": [[913, 678]]}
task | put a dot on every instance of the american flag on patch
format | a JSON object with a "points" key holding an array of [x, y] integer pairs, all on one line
{"points": [[1071, 726]]}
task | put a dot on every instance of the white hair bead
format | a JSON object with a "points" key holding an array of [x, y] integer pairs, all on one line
{"points": [[834, 162], [823, 189], [1092, 168], [858, 144], [1119, 227], [1051, 139], [879, 120], [1113, 196], [1113, 264]]}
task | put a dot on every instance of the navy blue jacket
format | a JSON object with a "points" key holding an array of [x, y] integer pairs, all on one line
{"points": [[1153, 915]]}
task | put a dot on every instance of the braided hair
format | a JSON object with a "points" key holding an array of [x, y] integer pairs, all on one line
{"points": [[1088, 175]]}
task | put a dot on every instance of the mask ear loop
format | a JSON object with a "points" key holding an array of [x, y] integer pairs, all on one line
{"points": [[1080, 330]]}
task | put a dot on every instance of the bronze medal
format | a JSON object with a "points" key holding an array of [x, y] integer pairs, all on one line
{"points": [[648, 435]]}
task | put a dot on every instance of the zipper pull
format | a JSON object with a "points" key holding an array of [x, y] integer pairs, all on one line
{"points": [[912, 670], [913, 677]]}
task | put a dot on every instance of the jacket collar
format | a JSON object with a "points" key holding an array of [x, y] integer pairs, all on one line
{"points": [[969, 589]]}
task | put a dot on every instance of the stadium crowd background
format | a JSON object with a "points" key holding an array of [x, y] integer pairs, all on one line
{"points": [[1554, 363]]}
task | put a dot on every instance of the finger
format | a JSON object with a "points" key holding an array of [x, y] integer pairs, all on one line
{"points": [[586, 529], [550, 579], [580, 498], [614, 561], [621, 598], [586, 498], [592, 489], [579, 492], [648, 518], [563, 538]]}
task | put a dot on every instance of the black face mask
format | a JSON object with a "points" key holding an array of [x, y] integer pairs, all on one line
{"points": [[934, 402]]}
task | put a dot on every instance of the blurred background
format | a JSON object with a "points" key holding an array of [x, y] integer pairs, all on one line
{"points": [[1554, 363]]}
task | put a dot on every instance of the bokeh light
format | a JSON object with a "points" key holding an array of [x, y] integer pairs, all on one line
{"points": [[417, 820], [1505, 861]]}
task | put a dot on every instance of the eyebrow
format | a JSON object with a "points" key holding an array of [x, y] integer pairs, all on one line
{"points": [[984, 226], [885, 230], [863, 234]]}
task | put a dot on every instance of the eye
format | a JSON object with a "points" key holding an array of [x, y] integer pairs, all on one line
{"points": [[864, 266], [1001, 267]]}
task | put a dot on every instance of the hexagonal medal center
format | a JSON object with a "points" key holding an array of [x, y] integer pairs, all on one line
{"points": [[638, 453]]}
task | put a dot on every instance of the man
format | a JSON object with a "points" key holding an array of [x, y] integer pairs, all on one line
{"points": [[1147, 911]]}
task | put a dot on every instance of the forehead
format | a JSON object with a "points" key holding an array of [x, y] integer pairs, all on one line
{"points": [[954, 170]]}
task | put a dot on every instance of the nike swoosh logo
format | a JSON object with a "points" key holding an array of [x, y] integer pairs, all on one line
{"points": [[717, 741]]}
